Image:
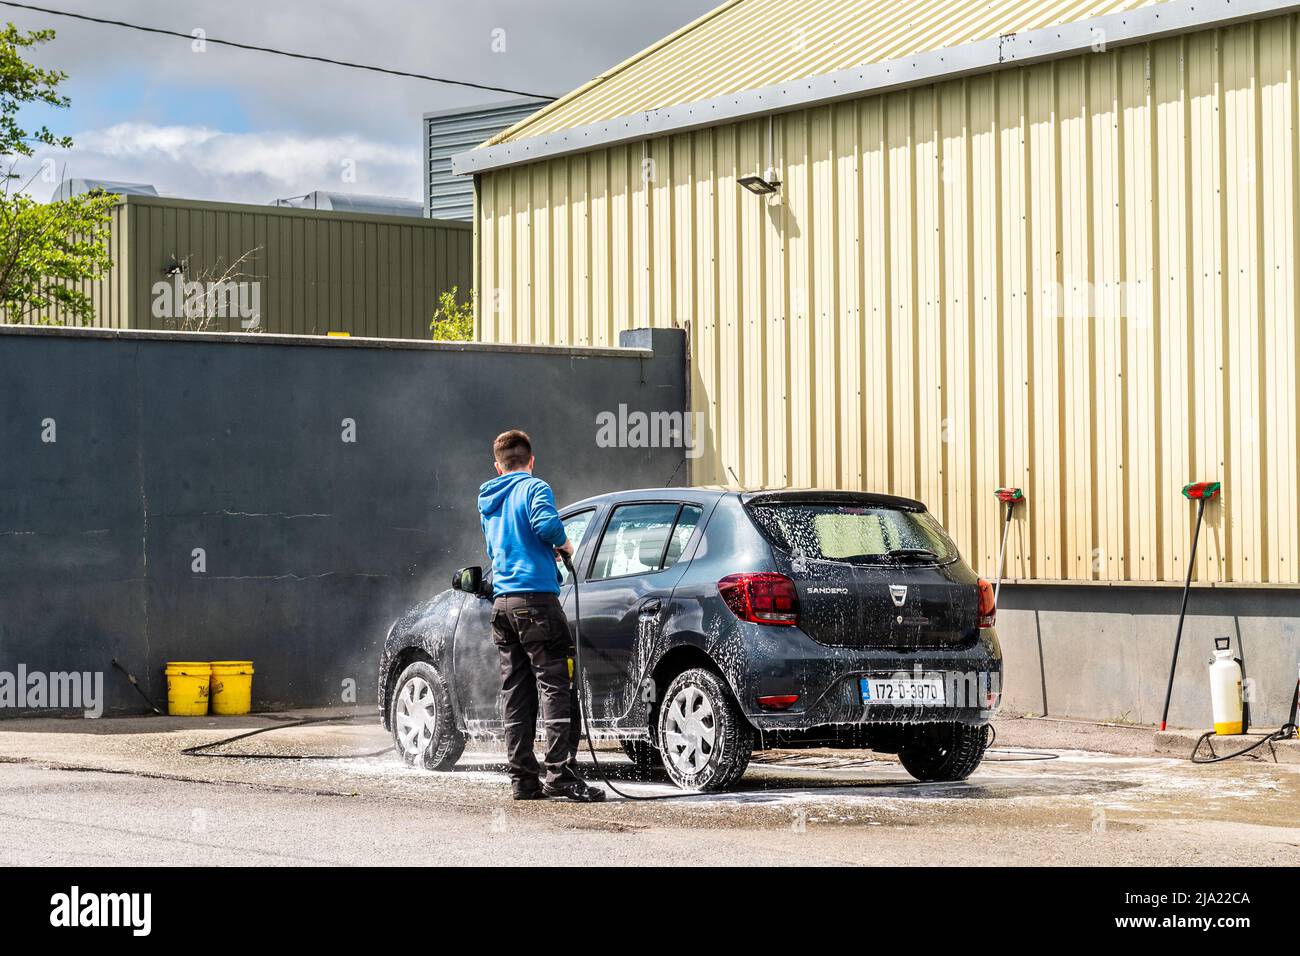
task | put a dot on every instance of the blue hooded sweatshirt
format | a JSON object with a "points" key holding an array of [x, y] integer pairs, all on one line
{"points": [[522, 529]]}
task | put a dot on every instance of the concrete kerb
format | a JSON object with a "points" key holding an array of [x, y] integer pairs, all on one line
{"points": [[1179, 743]]}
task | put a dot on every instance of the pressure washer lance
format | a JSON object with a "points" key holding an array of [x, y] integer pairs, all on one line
{"points": [[1295, 704], [579, 673], [1009, 497]]}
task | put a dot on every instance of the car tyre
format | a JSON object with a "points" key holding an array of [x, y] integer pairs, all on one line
{"points": [[943, 752], [705, 740], [424, 725]]}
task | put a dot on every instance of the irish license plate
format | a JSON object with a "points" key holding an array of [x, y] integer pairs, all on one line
{"points": [[902, 690]]}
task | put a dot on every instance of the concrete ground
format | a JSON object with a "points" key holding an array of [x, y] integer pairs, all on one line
{"points": [[118, 792]]}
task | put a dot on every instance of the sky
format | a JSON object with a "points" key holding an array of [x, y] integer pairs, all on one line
{"points": [[239, 126]]}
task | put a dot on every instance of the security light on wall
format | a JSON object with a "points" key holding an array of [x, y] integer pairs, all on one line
{"points": [[763, 185], [770, 182]]}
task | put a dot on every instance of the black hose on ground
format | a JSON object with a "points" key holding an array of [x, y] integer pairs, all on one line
{"points": [[201, 749], [1023, 756]]}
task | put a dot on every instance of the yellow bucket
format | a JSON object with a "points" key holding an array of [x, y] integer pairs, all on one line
{"points": [[187, 688], [232, 687]]}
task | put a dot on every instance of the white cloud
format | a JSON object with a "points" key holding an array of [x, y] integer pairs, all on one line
{"points": [[199, 162], [237, 125]]}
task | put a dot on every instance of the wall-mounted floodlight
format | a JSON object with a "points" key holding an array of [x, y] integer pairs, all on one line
{"points": [[760, 186]]}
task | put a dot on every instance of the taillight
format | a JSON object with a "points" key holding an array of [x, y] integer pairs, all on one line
{"points": [[988, 608], [761, 598]]}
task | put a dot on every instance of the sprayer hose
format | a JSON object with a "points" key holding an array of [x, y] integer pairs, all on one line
{"points": [[1286, 732], [579, 673]]}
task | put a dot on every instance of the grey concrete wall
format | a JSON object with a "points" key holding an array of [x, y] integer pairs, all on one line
{"points": [[170, 442], [1103, 653]]}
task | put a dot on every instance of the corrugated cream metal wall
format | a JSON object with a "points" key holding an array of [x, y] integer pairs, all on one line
{"points": [[744, 44], [1077, 277]]}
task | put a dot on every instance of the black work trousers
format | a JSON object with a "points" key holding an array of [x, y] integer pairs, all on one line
{"points": [[532, 635]]}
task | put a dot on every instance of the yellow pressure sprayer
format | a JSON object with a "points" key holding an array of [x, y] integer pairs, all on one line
{"points": [[1225, 690]]}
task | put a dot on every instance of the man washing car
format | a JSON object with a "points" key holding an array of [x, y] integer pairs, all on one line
{"points": [[525, 537]]}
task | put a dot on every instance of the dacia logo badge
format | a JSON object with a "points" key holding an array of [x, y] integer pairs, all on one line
{"points": [[899, 593]]}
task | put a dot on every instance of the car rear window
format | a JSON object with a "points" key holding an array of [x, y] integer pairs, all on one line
{"points": [[855, 534]]}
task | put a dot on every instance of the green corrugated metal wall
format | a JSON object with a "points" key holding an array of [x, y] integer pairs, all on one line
{"points": [[318, 271]]}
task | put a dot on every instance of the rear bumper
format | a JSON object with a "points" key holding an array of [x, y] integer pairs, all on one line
{"points": [[785, 661]]}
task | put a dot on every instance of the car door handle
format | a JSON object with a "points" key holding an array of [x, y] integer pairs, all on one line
{"points": [[650, 606]]}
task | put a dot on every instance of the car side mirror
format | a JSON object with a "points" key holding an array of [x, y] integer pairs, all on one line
{"points": [[469, 580]]}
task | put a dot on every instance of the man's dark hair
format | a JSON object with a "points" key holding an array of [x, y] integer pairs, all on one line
{"points": [[512, 449]]}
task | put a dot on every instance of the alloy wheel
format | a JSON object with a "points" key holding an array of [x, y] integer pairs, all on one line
{"points": [[691, 730], [417, 716]]}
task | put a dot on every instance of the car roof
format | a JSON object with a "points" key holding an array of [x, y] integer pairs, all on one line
{"points": [[831, 495], [708, 493], [678, 493]]}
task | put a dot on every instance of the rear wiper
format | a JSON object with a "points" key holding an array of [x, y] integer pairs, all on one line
{"points": [[895, 556], [911, 554]]}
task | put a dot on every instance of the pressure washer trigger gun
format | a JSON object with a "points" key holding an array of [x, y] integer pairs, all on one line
{"points": [[568, 564]]}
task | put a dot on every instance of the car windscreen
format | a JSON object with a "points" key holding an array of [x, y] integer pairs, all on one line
{"points": [[854, 534]]}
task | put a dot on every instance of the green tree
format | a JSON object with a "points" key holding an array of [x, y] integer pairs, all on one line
{"points": [[46, 249], [453, 320]]}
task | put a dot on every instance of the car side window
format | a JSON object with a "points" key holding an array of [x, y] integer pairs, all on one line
{"points": [[635, 540], [682, 531], [575, 529]]}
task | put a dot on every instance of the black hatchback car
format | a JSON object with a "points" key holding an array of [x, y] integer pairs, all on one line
{"points": [[718, 622]]}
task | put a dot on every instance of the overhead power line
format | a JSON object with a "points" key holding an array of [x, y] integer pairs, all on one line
{"points": [[272, 50]]}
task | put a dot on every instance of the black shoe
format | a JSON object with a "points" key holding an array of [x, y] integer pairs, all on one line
{"points": [[531, 790], [576, 790]]}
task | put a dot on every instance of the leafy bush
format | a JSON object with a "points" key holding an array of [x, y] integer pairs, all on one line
{"points": [[47, 250], [453, 320]]}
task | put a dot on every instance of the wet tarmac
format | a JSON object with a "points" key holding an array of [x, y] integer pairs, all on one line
{"points": [[121, 791]]}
